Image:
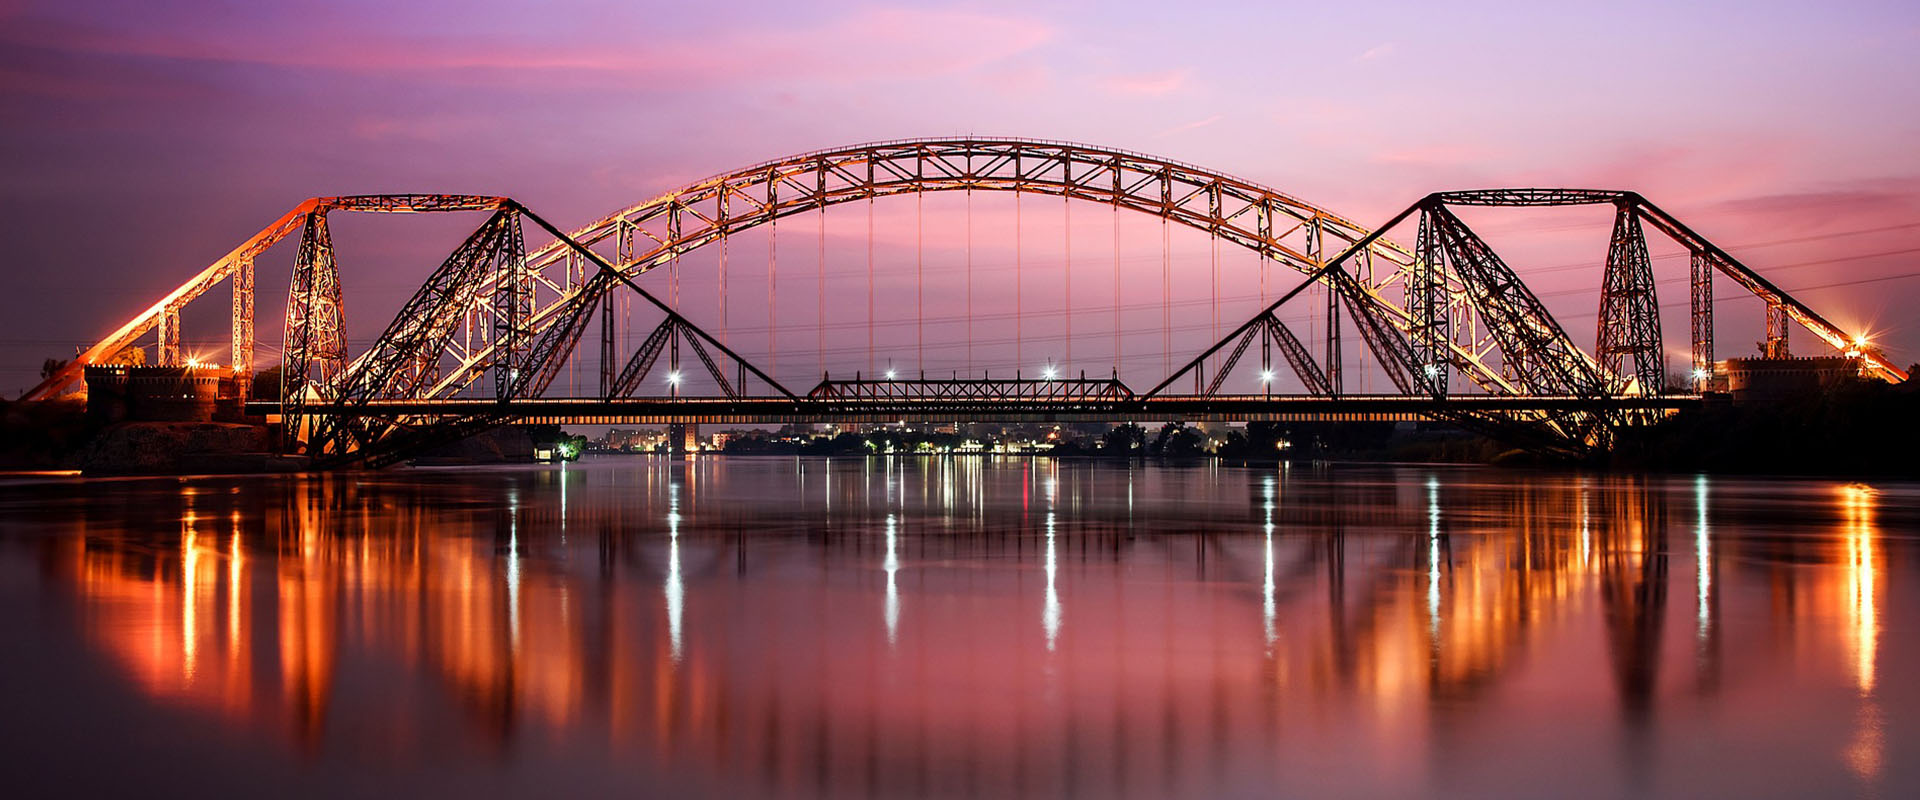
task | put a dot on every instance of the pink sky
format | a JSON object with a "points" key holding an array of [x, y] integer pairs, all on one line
{"points": [[142, 140]]}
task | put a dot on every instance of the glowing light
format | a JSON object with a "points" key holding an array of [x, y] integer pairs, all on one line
{"points": [[1586, 527], [1433, 555], [1860, 340], [1268, 607], [190, 598], [673, 378], [1266, 376], [675, 590], [1862, 580], [1049, 372], [513, 579], [1866, 753], [892, 565], [889, 374], [1050, 615], [1703, 560], [1432, 370]]}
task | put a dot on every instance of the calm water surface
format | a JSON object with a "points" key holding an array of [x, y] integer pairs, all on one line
{"points": [[786, 627]]}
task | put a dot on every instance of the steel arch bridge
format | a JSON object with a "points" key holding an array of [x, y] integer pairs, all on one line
{"points": [[1448, 305]]}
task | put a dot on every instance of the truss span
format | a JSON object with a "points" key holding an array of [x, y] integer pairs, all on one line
{"points": [[1277, 226], [237, 266]]}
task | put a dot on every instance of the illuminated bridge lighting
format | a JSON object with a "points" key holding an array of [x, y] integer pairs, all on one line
{"points": [[1051, 614], [676, 590], [892, 565], [1570, 402]]}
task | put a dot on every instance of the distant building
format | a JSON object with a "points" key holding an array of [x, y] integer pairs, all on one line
{"points": [[124, 393], [683, 438], [1768, 379], [630, 439]]}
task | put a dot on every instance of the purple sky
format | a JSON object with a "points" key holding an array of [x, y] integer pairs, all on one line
{"points": [[142, 140]]}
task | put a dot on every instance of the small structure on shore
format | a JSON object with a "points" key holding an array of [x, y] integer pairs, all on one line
{"points": [[191, 393], [1763, 380]]}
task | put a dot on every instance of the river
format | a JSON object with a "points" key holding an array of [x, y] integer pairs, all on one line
{"points": [[884, 627]]}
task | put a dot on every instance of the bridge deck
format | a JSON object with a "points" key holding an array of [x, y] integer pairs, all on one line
{"points": [[1219, 408]]}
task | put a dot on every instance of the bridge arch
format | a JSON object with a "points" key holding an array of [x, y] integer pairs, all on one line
{"points": [[1277, 226]]}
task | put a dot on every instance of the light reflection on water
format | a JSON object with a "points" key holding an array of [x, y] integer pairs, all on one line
{"points": [[905, 626]]}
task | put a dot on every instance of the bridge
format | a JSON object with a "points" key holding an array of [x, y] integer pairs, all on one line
{"points": [[1447, 323]]}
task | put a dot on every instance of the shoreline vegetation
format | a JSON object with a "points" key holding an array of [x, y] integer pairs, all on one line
{"points": [[1855, 427]]}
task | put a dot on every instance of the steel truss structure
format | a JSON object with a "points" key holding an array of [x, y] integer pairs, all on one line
{"points": [[911, 393], [1450, 305]]}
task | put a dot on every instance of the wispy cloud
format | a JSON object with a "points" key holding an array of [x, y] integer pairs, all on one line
{"points": [[1152, 83], [883, 44], [1183, 128], [1848, 203], [1433, 155], [1381, 50]]}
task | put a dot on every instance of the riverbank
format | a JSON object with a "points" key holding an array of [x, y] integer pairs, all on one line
{"points": [[1857, 428]]}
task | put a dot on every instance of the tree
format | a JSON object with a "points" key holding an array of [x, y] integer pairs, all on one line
{"points": [[50, 366], [1124, 440], [1176, 440]]}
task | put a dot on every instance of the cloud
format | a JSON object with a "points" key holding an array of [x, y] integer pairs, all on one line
{"points": [[1183, 128], [1853, 203], [1016, 78], [1434, 155], [1381, 50], [882, 44], [1153, 83]]}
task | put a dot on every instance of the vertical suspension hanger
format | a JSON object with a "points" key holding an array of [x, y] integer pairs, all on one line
{"points": [[870, 361], [573, 377], [970, 273], [919, 277], [1066, 198], [1213, 245], [772, 261], [673, 295], [1166, 295], [820, 276]]}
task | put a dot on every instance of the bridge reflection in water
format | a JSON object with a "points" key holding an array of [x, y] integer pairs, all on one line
{"points": [[896, 626]]}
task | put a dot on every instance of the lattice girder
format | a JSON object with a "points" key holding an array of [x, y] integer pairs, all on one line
{"points": [[1240, 212]]}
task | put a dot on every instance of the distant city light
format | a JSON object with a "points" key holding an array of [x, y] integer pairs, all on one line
{"points": [[889, 374], [1432, 370], [1266, 376], [1049, 372], [673, 378]]}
